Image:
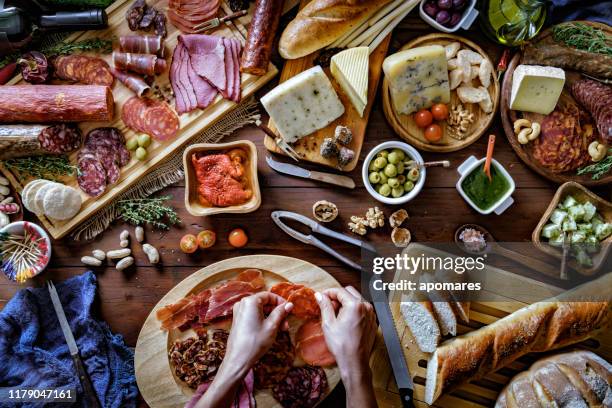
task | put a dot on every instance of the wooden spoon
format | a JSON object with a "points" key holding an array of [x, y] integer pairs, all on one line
{"points": [[487, 165], [493, 247]]}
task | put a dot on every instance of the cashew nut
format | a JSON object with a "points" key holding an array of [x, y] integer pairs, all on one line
{"points": [[523, 136], [521, 123], [535, 131], [597, 151]]}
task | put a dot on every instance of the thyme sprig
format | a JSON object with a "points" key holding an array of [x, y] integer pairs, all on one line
{"points": [[151, 211], [599, 169], [45, 167], [583, 37]]}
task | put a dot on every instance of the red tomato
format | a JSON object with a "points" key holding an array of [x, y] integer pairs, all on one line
{"points": [[423, 118], [433, 133], [238, 238], [189, 244], [206, 239], [439, 111]]}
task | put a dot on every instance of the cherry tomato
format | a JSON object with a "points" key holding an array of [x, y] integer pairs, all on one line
{"points": [[238, 238], [433, 133], [189, 244], [439, 111], [423, 118], [206, 239]]}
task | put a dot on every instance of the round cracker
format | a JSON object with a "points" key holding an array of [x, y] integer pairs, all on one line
{"points": [[62, 202], [39, 197], [30, 194]]}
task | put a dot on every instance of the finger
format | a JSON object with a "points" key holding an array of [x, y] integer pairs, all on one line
{"points": [[268, 298], [336, 305], [328, 313], [278, 315], [354, 292], [339, 294]]}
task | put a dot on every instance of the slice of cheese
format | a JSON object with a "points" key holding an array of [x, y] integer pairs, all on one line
{"points": [[351, 69], [418, 78], [303, 104], [536, 88]]}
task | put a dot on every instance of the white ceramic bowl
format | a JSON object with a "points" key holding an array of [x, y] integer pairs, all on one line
{"points": [[469, 15], [410, 151], [17, 228], [503, 203]]}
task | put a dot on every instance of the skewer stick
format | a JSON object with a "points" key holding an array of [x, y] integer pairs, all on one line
{"points": [[404, 9], [379, 39], [373, 20]]}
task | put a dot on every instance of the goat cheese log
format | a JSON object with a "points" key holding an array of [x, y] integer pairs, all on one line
{"points": [[258, 47], [38, 140], [56, 103]]}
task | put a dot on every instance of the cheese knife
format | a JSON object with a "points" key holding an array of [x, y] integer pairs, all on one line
{"points": [[293, 170]]}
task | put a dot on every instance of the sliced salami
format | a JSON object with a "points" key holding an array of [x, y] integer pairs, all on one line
{"points": [[61, 138], [161, 122], [83, 69], [302, 387], [92, 175]]}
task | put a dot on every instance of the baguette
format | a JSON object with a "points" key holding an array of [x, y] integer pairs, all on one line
{"points": [[321, 22], [421, 320], [540, 327]]}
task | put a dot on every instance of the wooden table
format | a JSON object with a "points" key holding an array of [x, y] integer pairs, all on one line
{"points": [[125, 299]]}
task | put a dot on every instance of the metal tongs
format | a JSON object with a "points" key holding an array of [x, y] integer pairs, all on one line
{"points": [[277, 217]]}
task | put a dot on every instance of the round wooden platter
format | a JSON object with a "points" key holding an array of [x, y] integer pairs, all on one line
{"points": [[156, 380], [405, 126], [525, 151]]}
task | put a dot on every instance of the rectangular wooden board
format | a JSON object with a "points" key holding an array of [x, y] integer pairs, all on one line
{"points": [[192, 124], [483, 393]]}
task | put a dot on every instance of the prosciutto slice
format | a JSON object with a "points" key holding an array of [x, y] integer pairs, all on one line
{"points": [[311, 345]]}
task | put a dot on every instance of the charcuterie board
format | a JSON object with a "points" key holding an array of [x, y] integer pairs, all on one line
{"points": [[156, 381], [481, 393], [191, 124]]}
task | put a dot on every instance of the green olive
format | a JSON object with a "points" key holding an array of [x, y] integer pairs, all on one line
{"points": [[372, 167], [408, 186], [132, 144], [144, 140], [374, 178], [413, 174], [393, 158], [384, 190], [382, 153], [393, 182], [390, 170], [400, 167], [380, 162], [400, 153], [383, 177], [141, 153], [401, 178], [397, 192]]}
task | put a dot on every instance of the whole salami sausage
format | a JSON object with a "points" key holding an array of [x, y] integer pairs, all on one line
{"points": [[146, 64], [597, 99], [258, 47], [38, 140], [56, 103]]}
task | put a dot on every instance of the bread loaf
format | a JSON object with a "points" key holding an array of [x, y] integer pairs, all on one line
{"points": [[321, 22], [540, 327], [421, 320], [575, 379]]}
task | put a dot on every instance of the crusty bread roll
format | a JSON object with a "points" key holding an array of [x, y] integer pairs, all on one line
{"points": [[322, 22]]}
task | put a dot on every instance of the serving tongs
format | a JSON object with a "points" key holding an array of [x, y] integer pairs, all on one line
{"points": [[216, 22], [281, 143], [278, 216]]}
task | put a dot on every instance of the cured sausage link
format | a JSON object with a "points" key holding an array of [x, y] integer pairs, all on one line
{"points": [[258, 47], [56, 103], [37, 140]]}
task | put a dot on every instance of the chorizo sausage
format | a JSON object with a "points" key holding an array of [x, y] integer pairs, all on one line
{"points": [[258, 47]]}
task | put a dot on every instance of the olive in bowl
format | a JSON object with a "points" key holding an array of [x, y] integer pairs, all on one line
{"points": [[391, 173]]}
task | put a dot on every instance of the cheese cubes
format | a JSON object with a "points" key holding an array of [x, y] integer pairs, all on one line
{"points": [[351, 69], [418, 78], [536, 89], [303, 104]]}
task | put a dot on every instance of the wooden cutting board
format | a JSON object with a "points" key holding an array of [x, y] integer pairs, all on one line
{"points": [[483, 393], [156, 381], [191, 124]]}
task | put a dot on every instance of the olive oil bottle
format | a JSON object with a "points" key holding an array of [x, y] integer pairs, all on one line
{"points": [[512, 22]]}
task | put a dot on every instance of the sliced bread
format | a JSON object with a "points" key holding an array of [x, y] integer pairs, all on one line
{"points": [[446, 318], [421, 320]]}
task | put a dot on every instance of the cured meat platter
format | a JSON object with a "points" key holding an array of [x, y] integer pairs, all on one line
{"points": [[156, 379], [191, 124], [567, 107]]}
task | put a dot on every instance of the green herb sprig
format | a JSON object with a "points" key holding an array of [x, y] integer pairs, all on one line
{"points": [[599, 169], [583, 37], [45, 167], [151, 211]]}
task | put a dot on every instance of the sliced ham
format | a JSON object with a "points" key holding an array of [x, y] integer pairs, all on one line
{"points": [[236, 51], [207, 55], [228, 93], [178, 88], [187, 14], [311, 346]]}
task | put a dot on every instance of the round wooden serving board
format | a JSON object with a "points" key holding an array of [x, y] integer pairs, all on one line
{"points": [[405, 126], [156, 381], [525, 151]]}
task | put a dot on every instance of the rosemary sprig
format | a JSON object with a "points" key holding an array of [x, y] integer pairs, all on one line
{"points": [[47, 167], [599, 169], [583, 37], [151, 211]]}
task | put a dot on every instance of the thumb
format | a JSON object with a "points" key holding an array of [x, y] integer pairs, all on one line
{"points": [[278, 315], [328, 314]]}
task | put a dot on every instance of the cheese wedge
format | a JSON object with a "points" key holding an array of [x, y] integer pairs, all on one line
{"points": [[351, 69], [536, 88]]}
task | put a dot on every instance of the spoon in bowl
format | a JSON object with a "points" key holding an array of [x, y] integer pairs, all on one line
{"points": [[487, 165]]}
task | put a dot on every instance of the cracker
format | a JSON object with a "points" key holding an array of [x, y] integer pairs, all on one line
{"points": [[62, 202], [30, 194], [39, 198]]}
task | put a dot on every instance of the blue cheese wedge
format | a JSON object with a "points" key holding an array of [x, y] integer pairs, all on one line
{"points": [[536, 89], [351, 68], [418, 78], [303, 104]]}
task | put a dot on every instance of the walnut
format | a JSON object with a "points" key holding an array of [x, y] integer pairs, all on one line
{"points": [[375, 217], [343, 135], [397, 218], [325, 211], [358, 225], [400, 237]]}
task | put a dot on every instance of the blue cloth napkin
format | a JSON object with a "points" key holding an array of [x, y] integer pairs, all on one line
{"points": [[34, 354], [568, 10]]}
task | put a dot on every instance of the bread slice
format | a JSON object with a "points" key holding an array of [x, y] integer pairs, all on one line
{"points": [[462, 310], [446, 318], [421, 320]]}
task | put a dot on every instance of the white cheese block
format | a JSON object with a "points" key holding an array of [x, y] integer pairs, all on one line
{"points": [[351, 68], [303, 104], [536, 89], [418, 78]]}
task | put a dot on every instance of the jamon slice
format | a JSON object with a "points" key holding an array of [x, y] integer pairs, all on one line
{"points": [[207, 55], [184, 311], [252, 276], [311, 346], [224, 297]]}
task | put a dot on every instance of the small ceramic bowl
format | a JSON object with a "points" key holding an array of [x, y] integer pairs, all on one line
{"points": [[410, 151], [503, 203], [469, 16], [192, 203], [19, 228]]}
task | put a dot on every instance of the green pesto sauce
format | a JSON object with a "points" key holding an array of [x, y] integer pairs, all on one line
{"points": [[482, 192]]}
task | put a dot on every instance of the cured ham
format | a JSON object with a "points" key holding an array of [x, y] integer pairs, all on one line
{"points": [[187, 14], [145, 64], [143, 44], [133, 82], [311, 346]]}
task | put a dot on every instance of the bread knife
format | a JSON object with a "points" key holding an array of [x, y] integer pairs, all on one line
{"points": [[293, 170]]}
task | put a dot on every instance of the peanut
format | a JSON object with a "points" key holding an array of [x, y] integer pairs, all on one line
{"points": [[124, 263], [139, 232], [152, 253], [99, 254], [91, 261], [118, 253]]}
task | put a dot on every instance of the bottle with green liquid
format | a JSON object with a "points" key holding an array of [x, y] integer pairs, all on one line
{"points": [[512, 22]]}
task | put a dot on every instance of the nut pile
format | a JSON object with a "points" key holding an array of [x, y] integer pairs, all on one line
{"points": [[459, 121], [526, 131], [374, 218]]}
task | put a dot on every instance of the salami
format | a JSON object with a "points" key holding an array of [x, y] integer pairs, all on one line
{"points": [[133, 82], [596, 97], [92, 175], [302, 387], [83, 69], [161, 122], [37, 140], [146, 64], [109, 140], [273, 366], [62, 138], [258, 47], [56, 103], [143, 44]]}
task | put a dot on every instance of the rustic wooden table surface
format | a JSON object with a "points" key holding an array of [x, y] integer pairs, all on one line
{"points": [[125, 299]]}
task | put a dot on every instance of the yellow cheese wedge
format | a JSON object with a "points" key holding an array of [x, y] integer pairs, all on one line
{"points": [[351, 69]]}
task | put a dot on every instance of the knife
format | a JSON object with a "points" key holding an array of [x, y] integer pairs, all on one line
{"points": [[90, 397], [293, 170], [394, 347]]}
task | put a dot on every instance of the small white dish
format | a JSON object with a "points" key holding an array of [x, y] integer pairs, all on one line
{"points": [[469, 16], [410, 151], [18, 228], [503, 203]]}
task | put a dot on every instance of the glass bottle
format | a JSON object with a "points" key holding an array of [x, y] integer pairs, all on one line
{"points": [[512, 22]]}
